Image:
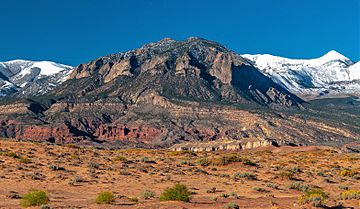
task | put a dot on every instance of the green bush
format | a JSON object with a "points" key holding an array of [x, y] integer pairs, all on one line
{"points": [[249, 162], [231, 205], [144, 159], [24, 160], [148, 194], [347, 173], [299, 186], [105, 198], [272, 185], [286, 175], [245, 175], [316, 197], [226, 159], [134, 199], [350, 195], [260, 189], [343, 187], [121, 158], [203, 162], [9, 154], [211, 190], [178, 192], [34, 198]]}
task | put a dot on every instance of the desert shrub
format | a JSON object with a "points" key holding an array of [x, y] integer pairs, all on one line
{"points": [[24, 160], [226, 159], [356, 177], [186, 162], [260, 189], [72, 146], [231, 205], [93, 165], [276, 167], [343, 187], [183, 152], [75, 180], [249, 162], [34, 198], [121, 158], [350, 195], [225, 175], [234, 195], [75, 156], [9, 154], [245, 175], [286, 175], [105, 198], [133, 199], [144, 159], [148, 194], [315, 197], [124, 172], [45, 207], [299, 186], [56, 168], [272, 185], [295, 169], [320, 173], [212, 190], [347, 173], [224, 195], [178, 192], [203, 162]]}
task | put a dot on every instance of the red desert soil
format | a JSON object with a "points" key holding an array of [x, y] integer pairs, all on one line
{"points": [[74, 176]]}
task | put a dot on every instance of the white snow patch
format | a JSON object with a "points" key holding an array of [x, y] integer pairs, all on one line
{"points": [[49, 68], [23, 85], [354, 71]]}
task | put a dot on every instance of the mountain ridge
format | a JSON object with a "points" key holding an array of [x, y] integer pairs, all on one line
{"points": [[23, 78], [170, 92], [329, 75]]}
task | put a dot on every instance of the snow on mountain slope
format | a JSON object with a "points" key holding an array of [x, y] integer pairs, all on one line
{"points": [[354, 71], [331, 74], [28, 78]]}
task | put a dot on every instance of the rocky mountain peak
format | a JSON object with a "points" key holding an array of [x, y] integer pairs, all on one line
{"points": [[199, 68]]}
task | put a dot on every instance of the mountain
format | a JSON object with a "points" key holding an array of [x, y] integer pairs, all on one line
{"points": [[23, 78], [329, 75], [171, 92], [200, 69]]}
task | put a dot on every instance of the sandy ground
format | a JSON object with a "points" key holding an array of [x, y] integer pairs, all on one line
{"points": [[156, 170]]}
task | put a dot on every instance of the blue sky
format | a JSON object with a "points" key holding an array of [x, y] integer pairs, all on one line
{"points": [[77, 31]]}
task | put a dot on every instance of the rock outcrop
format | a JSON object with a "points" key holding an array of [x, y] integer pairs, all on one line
{"points": [[220, 145], [166, 93]]}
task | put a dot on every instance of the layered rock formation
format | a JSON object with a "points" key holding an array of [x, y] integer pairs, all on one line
{"points": [[167, 93]]}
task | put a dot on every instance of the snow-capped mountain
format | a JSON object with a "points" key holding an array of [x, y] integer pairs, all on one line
{"points": [[331, 74], [29, 78]]}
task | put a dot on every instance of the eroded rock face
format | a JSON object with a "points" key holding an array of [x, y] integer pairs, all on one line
{"points": [[196, 68], [59, 134], [18, 108], [126, 132], [163, 94], [222, 145]]}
